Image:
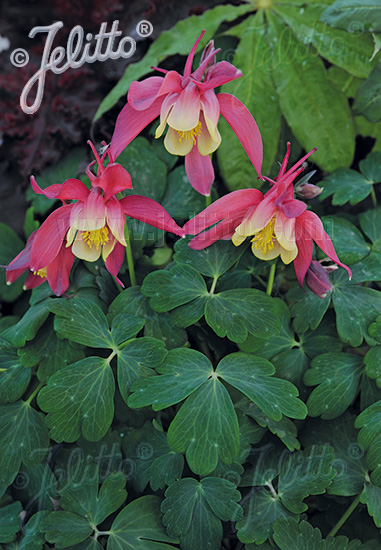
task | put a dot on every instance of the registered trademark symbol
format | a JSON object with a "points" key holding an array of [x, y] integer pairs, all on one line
{"points": [[144, 28]]}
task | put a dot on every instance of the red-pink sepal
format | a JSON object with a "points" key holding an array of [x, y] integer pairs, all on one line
{"points": [[227, 207], [151, 212], [21, 263], [49, 238], [130, 123], [58, 271], [113, 180], [114, 262], [199, 170], [71, 189], [244, 126]]}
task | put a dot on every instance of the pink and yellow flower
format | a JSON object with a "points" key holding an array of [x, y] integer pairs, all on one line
{"points": [[89, 228], [188, 105], [278, 224]]}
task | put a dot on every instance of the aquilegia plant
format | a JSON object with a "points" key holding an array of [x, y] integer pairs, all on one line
{"points": [[163, 386]]}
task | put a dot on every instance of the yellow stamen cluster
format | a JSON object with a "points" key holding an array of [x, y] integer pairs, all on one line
{"points": [[96, 238], [263, 240], [41, 272], [190, 135]]}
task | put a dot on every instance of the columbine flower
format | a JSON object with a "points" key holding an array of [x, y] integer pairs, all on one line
{"points": [[191, 109], [91, 227], [56, 273], [278, 224]]}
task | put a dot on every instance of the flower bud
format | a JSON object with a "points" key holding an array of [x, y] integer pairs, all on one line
{"points": [[308, 190], [317, 279]]}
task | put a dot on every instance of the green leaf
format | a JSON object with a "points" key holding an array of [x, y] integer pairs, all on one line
{"points": [[253, 377], [10, 522], [356, 307], [153, 459], [372, 362], [375, 329], [24, 434], [28, 326], [307, 309], [64, 529], [14, 378], [206, 428], [193, 510], [136, 359], [80, 494], [261, 510], [345, 185], [214, 430], [369, 438], [306, 95], [176, 41], [81, 321], [256, 90], [181, 373], [337, 376], [368, 97], [139, 527], [32, 538], [36, 485], [157, 325], [170, 289], [305, 473], [349, 14], [289, 535], [79, 399], [339, 47], [124, 327], [235, 313], [370, 223], [30, 224], [371, 496], [349, 461], [213, 261], [371, 167], [10, 246], [147, 171], [180, 199], [49, 352], [285, 429]]}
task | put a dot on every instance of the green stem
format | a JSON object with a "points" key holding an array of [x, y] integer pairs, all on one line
{"points": [[130, 260], [270, 282], [213, 287], [208, 200], [344, 517], [260, 280], [34, 393], [373, 195]]}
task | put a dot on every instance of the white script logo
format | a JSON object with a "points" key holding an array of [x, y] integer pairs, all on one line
{"points": [[75, 55]]}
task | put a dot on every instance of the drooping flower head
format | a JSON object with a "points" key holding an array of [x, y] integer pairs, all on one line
{"points": [[278, 224], [188, 105], [89, 228]]}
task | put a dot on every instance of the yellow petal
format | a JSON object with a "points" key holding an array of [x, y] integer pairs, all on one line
{"points": [[176, 147], [289, 256], [270, 253], [285, 232], [206, 144], [108, 247], [238, 239], [83, 251]]}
